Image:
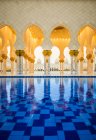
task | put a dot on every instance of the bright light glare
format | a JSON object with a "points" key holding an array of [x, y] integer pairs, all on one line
{"points": [[84, 52], [8, 49], [55, 54], [67, 55], [38, 54]]}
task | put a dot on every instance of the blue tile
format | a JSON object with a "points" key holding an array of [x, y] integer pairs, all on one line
{"points": [[26, 138], [7, 126], [71, 134], [50, 122], [86, 137], [61, 135], [36, 138], [67, 126], [50, 138], [21, 114], [17, 133], [37, 131], [50, 131], [86, 132], [68, 113], [15, 137], [44, 111]]}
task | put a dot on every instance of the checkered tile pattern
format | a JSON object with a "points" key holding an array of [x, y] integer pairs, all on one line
{"points": [[26, 118]]}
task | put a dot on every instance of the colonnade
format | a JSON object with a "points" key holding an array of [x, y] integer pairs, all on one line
{"points": [[22, 61]]}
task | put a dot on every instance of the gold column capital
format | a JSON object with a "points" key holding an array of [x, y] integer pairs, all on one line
{"points": [[25, 55], [73, 52], [20, 52], [12, 58], [61, 60], [92, 60], [30, 59], [81, 59], [1, 59], [89, 56], [47, 52], [4, 56]]}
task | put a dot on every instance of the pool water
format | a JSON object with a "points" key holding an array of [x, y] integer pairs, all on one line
{"points": [[47, 109]]}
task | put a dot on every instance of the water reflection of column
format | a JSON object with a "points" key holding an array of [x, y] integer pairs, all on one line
{"points": [[0, 92], [4, 91], [94, 86], [71, 97], [81, 90], [57, 80], [31, 89], [12, 90], [61, 89], [76, 90], [38, 80], [26, 85], [20, 87], [89, 94], [46, 88]]}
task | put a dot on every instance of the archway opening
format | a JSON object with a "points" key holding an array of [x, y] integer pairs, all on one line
{"points": [[87, 41], [8, 37], [60, 37], [33, 39]]}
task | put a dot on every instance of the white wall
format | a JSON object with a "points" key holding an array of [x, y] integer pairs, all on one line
{"points": [[73, 14]]}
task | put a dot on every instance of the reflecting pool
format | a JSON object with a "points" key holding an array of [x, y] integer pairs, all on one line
{"points": [[47, 108]]}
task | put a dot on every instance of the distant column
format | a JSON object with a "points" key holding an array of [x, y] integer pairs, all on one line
{"points": [[4, 56], [74, 64], [47, 54], [1, 61], [81, 64], [20, 54], [12, 65], [89, 64]]}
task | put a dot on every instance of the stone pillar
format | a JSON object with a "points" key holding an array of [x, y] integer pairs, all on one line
{"points": [[1, 60], [26, 63], [61, 66], [81, 65], [4, 56], [31, 65], [72, 61], [76, 61], [25, 66], [89, 66], [20, 54], [74, 64], [12, 59], [47, 54]]}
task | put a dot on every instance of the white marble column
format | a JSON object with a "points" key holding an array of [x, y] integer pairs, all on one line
{"points": [[74, 49], [1, 61], [4, 66], [81, 67], [76, 65], [19, 54], [47, 54], [44, 65], [12, 67], [25, 66]]}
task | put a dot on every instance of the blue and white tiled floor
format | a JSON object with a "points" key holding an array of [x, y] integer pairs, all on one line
{"points": [[48, 109]]}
